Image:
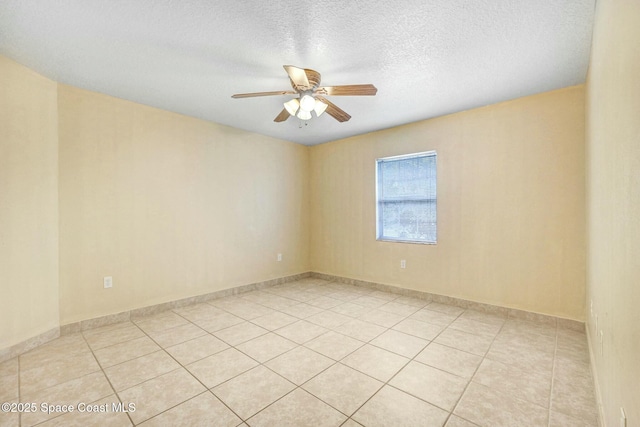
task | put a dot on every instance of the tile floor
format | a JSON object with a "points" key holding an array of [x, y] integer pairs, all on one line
{"points": [[309, 353]]}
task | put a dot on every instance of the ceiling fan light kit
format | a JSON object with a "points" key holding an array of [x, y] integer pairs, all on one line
{"points": [[306, 83]]}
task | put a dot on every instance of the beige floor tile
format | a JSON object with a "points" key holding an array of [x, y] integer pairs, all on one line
{"points": [[577, 355], [118, 353], [298, 409], [475, 327], [571, 340], [329, 319], [221, 367], [527, 340], [398, 308], [433, 385], [275, 302], [449, 359], [196, 349], [112, 334], [522, 326], [57, 371], [369, 301], [198, 312], [350, 309], [415, 302], [324, 302], [135, 371], [388, 296], [376, 362], [400, 343], [381, 318], [340, 354], [240, 333], [177, 335], [360, 330], [346, 295], [301, 310], [433, 317], [574, 398], [569, 366], [301, 331], [98, 413], [218, 321], [488, 318], [471, 343], [252, 391], [334, 345], [160, 322], [161, 393], [299, 365], [392, 407], [242, 308], [274, 320], [520, 355], [9, 367], [88, 388], [444, 308], [60, 348], [455, 421], [9, 382], [558, 419], [202, 410], [417, 328], [9, 419], [297, 295], [228, 302], [487, 407], [343, 388], [527, 384], [266, 347]]}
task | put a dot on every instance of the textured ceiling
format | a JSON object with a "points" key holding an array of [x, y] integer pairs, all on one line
{"points": [[426, 57]]}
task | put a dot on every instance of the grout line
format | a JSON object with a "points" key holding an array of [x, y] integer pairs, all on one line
{"points": [[207, 389], [475, 372], [105, 375], [393, 376], [297, 288]]}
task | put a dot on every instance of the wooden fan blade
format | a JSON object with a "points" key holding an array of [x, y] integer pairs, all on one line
{"points": [[302, 79], [348, 90], [284, 115], [254, 94], [334, 111]]}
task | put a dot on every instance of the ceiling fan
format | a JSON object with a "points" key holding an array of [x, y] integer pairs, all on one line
{"points": [[311, 96]]}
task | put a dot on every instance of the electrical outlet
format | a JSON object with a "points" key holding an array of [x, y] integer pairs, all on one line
{"points": [[623, 418], [279, 257], [108, 282], [403, 263]]}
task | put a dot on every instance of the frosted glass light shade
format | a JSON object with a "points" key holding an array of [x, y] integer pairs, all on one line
{"points": [[292, 106], [304, 115], [320, 107], [307, 103]]}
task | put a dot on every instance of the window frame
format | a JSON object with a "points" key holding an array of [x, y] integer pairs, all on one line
{"points": [[379, 230]]}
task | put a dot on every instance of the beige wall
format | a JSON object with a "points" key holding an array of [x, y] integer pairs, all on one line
{"points": [[613, 205], [511, 218], [170, 206], [28, 204]]}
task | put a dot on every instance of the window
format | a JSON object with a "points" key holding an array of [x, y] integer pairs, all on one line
{"points": [[406, 198]]}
